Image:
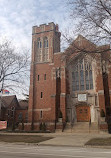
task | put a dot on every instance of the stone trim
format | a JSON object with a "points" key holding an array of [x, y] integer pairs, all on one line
{"points": [[57, 53], [51, 64], [53, 95], [47, 109], [101, 92], [47, 123], [63, 94], [26, 123], [42, 32]]}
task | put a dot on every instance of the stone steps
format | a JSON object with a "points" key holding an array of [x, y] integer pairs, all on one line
{"points": [[82, 127]]}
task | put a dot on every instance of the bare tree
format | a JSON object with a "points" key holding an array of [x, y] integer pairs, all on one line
{"points": [[14, 66], [93, 19]]}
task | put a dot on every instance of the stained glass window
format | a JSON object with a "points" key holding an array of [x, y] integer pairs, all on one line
{"points": [[82, 78]]}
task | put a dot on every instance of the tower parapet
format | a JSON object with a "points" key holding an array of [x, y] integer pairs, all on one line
{"points": [[46, 42], [45, 28]]}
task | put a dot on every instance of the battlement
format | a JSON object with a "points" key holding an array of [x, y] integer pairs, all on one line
{"points": [[45, 28]]}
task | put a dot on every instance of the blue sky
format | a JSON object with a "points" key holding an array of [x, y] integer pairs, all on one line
{"points": [[18, 16]]}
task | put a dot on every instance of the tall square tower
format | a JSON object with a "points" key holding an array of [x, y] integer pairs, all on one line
{"points": [[45, 43]]}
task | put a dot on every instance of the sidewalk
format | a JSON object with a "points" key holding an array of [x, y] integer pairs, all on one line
{"points": [[70, 139], [65, 139]]}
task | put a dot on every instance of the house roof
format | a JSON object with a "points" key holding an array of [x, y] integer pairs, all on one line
{"points": [[7, 100], [23, 104]]}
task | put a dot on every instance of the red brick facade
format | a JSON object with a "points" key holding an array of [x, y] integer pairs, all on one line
{"points": [[51, 82]]}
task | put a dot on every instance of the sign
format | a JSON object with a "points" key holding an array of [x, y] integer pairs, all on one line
{"points": [[82, 97], [3, 125]]}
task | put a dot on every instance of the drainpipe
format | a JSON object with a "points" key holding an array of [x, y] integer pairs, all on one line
{"points": [[0, 105], [34, 64]]}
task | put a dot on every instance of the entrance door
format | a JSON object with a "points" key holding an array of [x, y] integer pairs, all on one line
{"points": [[83, 113]]}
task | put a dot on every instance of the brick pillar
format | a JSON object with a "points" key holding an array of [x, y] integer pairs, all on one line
{"points": [[63, 94], [109, 82], [100, 90], [53, 102], [53, 96], [32, 85]]}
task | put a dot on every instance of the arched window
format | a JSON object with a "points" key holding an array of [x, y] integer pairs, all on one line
{"points": [[39, 43], [39, 50], [82, 78], [12, 111], [46, 50], [20, 117], [46, 43]]}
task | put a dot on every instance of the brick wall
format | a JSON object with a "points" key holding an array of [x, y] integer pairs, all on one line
{"points": [[50, 80]]}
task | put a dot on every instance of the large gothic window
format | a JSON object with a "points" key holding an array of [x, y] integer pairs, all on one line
{"points": [[82, 78]]}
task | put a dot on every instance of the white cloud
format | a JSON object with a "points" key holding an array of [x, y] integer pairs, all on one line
{"points": [[18, 17]]}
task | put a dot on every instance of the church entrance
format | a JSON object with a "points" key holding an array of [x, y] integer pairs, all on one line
{"points": [[83, 113]]}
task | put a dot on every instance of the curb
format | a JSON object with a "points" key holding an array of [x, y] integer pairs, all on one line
{"points": [[95, 146], [76, 146], [65, 145], [58, 145]]}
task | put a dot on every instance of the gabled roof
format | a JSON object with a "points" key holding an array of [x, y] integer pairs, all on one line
{"points": [[81, 38], [81, 46], [7, 100]]}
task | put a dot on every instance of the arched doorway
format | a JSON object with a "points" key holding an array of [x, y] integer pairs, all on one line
{"points": [[83, 113]]}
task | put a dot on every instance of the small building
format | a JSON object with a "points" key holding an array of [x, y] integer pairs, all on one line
{"points": [[13, 111], [9, 104]]}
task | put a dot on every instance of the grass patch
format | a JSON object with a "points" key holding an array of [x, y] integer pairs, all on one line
{"points": [[99, 142], [23, 138]]}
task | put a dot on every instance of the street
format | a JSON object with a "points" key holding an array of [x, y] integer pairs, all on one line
{"points": [[34, 151]]}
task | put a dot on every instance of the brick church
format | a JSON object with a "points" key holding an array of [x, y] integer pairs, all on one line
{"points": [[74, 85]]}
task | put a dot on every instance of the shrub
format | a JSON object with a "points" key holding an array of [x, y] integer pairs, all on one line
{"points": [[40, 126], [60, 114], [102, 113], [44, 127], [22, 125]]}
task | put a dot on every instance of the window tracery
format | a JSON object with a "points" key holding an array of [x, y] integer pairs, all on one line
{"points": [[39, 43], [46, 50], [82, 78], [39, 50], [46, 43]]}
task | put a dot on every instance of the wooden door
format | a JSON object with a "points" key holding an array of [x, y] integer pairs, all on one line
{"points": [[83, 113]]}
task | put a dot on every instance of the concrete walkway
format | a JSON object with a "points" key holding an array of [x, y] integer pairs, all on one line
{"points": [[70, 139], [65, 139]]}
